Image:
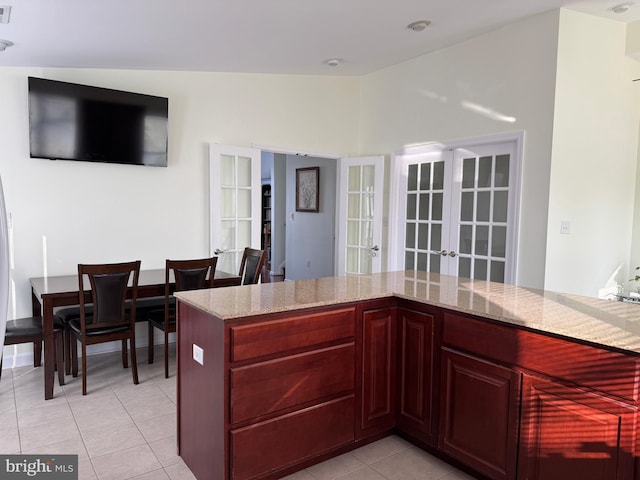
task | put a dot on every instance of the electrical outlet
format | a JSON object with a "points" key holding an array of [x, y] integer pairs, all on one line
{"points": [[198, 354], [565, 227]]}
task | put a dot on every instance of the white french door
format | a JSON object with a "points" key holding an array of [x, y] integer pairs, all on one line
{"points": [[360, 196], [425, 228], [486, 226], [235, 208], [457, 211]]}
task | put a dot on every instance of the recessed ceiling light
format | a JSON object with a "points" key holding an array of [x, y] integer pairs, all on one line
{"points": [[4, 44], [621, 7], [333, 62], [418, 25]]}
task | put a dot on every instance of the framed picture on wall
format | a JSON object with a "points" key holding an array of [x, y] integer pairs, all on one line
{"points": [[307, 189]]}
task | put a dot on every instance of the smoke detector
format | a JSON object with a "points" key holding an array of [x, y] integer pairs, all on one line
{"points": [[5, 10], [333, 62], [4, 44], [418, 25]]}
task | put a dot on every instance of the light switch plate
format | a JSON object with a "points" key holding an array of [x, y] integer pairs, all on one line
{"points": [[198, 354]]}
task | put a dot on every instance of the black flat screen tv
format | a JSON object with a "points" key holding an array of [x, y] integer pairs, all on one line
{"points": [[68, 121]]}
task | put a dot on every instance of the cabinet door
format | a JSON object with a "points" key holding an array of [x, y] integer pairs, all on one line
{"points": [[573, 433], [416, 374], [378, 371], [479, 414]]}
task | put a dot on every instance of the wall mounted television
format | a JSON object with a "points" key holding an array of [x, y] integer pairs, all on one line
{"points": [[68, 121]]}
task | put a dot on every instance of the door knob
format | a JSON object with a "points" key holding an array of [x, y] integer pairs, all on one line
{"points": [[452, 254], [217, 251]]}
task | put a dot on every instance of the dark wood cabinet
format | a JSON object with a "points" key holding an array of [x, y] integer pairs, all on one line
{"points": [[271, 392], [378, 371], [417, 373], [571, 432], [577, 410], [479, 415], [275, 393]]}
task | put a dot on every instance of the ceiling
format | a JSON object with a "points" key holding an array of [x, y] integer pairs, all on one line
{"points": [[258, 36]]}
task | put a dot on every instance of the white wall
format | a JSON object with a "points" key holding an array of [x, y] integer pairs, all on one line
{"points": [[466, 91], [279, 213], [311, 235], [102, 212], [594, 157]]}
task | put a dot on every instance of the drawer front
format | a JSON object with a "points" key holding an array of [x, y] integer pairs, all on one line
{"points": [[275, 385], [291, 333], [600, 369], [287, 440]]}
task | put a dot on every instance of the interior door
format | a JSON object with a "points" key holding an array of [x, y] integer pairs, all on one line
{"points": [[457, 211], [483, 231], [360, 191], [426, 191], [235, 208]]}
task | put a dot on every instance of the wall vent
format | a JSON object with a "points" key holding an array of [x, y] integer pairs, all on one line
{"points": [[5, 10]]}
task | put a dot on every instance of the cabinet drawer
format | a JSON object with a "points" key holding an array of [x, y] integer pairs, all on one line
{"points": [[284, 441], [597, 368], [267, 387], [291, 333]]}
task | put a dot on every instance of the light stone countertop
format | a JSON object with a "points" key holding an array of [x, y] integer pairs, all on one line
{"points": [[603, 322]]}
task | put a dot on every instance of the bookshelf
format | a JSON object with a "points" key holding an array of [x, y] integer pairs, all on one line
{"points": [[266, 222]]}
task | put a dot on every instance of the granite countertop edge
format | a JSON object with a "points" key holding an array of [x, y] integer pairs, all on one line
{"points": [[601, 322]]}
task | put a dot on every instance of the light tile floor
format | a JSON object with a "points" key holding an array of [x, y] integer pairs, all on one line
{"points": [[121, 431]]}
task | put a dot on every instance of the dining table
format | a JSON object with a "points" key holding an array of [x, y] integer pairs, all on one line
{"points": [[50, 292]]}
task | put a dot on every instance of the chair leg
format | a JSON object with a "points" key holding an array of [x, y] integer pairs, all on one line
{"points": [[166, 354], [125, 357], [1, 355], [67, 339], [59, 341], [150, 342], [84, 369], [74, 356], [134, 361], [37, 354]]}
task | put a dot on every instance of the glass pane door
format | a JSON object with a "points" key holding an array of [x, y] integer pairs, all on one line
{"points": [[426, 213], [483, 226], [458, 212], [360, 209], [235, 203]]}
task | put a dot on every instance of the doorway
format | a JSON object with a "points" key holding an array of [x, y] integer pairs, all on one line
{"points": [[302, 243]]}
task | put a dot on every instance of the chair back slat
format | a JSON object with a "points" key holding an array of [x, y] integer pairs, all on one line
{"points": [[190, 278], [109, 293], [110, 284], [188, 275], [251, 265]]}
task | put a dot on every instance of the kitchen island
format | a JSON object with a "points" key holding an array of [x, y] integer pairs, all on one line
{"points": [[507, 382]]}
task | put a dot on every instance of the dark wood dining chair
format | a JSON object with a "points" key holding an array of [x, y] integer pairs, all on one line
{"points": [[29, 330], [188, 275], [251, 265], [109, 319]]}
